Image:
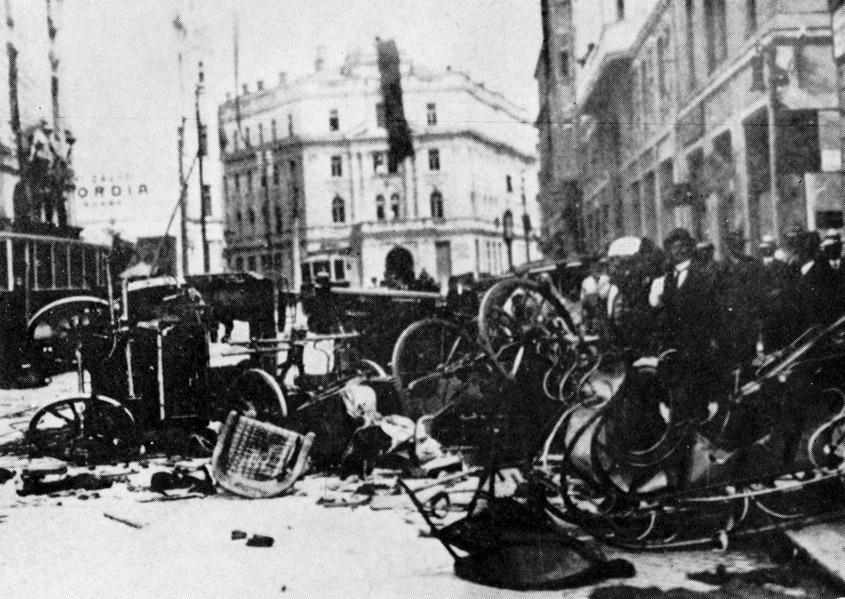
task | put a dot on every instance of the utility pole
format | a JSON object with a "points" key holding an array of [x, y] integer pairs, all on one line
{"points": [[295, 241], [183, 203], [526, 223], [202, 151], [772, 108]]}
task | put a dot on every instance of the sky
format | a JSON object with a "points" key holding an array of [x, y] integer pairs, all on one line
{"points": [[120, 75]]}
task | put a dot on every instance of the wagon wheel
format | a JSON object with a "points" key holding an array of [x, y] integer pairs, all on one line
{"points": [[519, 324], [83, 428], [59, 328], [257, 395], [432, 364]]}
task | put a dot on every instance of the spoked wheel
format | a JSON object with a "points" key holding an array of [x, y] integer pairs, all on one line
{"points": [[519, 324], [56, 330], [257, 395], [83, 428], [370, 368], [432, 366]]}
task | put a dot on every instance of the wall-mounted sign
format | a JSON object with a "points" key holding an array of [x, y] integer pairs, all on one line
{"points": [[100, 191], [838, 25]]}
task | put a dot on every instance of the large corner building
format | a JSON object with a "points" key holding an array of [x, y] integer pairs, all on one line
{"points": [[309, 184], [714, 115]]}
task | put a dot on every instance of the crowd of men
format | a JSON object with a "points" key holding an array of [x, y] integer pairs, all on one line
{"points": [[682, 298], [716, 315]]}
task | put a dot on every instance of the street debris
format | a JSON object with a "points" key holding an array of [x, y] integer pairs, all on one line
{"points": [[76, 482], [6, 475], [256, 459], [122, 520], [260, 541]]}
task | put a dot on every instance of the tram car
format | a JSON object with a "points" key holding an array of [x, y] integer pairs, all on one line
{"points": [[50, 282]]}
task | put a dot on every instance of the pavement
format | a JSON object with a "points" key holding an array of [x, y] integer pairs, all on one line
{"points": [[125, 541]]}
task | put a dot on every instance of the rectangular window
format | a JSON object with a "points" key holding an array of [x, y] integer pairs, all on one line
{"points": [[378, 163], [239, 264], [661, 67], [273, 129], [247, 141], [750, 17], [237, 183], [276, 170], [337, 166], [620, 9], [250, 263], [716, 26], [290, 125], [260, 133], [90, 268], [508, 183], [44, 265], [434, 160], [334, 120], [306, 272], [339, 270], [564, 65], [380, 115], [829, 219], [249, 181], [431, 114], [76, 258], [392, 164], [205, 197], [59, 263], [690, 30]]}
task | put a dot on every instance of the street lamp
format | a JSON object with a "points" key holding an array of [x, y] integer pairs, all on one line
{"points": [[526, 223], [507, 235]]}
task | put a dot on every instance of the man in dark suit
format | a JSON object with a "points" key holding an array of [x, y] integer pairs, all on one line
{"points": [[823, 283], [741, 297], [685, 298], [686, 301]]}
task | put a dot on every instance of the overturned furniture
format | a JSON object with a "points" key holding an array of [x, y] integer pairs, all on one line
{"points": [[256, 459]]}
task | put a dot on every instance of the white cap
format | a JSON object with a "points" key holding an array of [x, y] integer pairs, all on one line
{"points": [[624, 247]]}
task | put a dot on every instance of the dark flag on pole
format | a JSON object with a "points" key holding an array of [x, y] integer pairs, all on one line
{"points": [[399, 141]]}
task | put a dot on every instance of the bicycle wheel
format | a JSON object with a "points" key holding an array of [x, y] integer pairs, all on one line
{"points": [[83, 428], [432, 365], [520, 325], [57, 330], [257, 394]]}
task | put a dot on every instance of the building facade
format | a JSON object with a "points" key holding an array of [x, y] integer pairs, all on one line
{"points": [[309, 186], [559, 189], [712, 115]]}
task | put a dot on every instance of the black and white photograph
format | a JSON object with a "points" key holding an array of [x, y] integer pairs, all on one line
{"points": [[476, 299]]}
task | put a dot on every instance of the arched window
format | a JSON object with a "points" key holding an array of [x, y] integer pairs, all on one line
{"points": [[338, 210], [394, 206], [436, 204], [278, 211], [251, 217], [380, 207]]}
